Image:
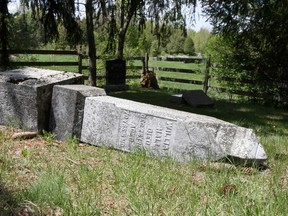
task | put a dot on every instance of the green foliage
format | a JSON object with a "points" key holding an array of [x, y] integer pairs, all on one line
{"points": [[48, 137], [25, 33], [201, 39], [255, 31], [52, 15], [176, 40], [189, 48]]}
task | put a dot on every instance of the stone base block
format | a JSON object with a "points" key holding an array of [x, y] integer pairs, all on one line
{"points": [[26, 96], [67, 109]]}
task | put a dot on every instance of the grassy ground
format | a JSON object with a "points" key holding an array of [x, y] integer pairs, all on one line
{"points": [[199, 68], [45, 177]]}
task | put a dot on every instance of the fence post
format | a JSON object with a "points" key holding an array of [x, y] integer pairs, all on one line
{"points": [[206, 79], [80, 57], [143, 64], [146, 60]]}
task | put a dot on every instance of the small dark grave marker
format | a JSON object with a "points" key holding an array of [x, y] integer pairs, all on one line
{"points": [[197, 98], [115, 72], [177, 98]]}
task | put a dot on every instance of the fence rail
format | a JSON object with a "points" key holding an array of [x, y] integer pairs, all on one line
{"points": [[194, 82], [50, 63], [45, 52], [206, 80]]}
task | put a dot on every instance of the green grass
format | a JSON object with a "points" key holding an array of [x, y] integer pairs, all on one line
{"points": [[172, 64], [45, 177], [101, 69]]}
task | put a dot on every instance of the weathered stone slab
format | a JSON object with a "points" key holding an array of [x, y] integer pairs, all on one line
{"points": [[26, 96], [67, 109], [128, 126], [197, 98]]}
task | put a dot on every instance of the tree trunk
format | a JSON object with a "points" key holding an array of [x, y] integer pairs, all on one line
{"points": [[121, 42], [4, 60], [91, 42]]}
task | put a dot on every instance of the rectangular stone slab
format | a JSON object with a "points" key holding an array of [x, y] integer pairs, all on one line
{"points": [[67, 109], [130, 126], [26, 96]]}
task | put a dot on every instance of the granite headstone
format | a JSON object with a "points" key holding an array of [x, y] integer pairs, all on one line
{"points": [[130, 126]]}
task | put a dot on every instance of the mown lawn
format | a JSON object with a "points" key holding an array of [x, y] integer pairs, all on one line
{"points": [[45, 177], [197, 67]]}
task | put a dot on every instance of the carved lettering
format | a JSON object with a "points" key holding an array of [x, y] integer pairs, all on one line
{"points": [[148, 136], [138, 131]]}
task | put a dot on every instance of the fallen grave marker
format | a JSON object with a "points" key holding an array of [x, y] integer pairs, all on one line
{"points": [[130, 126]]}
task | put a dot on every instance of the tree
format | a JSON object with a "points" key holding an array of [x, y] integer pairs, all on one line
{"points": [[160, 13], [257, 31], [119, 15], [188, 46], [26, 32], [4, 13], [52, 13], [200, 40], [176, 41], [91, 41]]}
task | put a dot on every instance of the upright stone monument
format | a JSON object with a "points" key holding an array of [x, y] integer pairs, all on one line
{"points": [[116, 75], [67, 109], [26, 96], [129, 126]]}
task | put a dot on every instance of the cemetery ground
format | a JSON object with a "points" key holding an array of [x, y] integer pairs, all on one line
{"points": [[197, 67], [41, 176]]}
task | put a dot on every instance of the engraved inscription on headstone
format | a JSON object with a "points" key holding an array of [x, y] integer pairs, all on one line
{"points": [[138, 131]]}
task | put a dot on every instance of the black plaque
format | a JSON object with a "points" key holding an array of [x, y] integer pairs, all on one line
{"points": [[115, 72]]}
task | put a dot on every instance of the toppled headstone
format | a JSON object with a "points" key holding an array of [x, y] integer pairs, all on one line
{"points": [[197, 98], [67, 109], [129, 126], [26, 96], [177, 98]]}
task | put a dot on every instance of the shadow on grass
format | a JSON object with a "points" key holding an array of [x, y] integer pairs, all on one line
{"points": [[7, 201], [264, 120]]}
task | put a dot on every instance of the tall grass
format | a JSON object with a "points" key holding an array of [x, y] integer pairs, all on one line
{"points": [[45, 177]]}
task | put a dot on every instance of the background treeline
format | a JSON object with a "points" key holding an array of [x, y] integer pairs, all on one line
{"points": [[28, 34], [248, 44]]}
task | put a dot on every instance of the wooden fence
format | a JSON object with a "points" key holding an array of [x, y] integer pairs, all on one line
{"points": [[204, 84], [77, 63]]}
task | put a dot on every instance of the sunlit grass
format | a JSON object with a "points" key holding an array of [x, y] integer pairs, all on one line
{"points": [[47, 177]]}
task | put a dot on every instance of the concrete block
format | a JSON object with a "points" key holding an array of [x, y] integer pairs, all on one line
{"points": [[26, 96], [67, 109]]}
